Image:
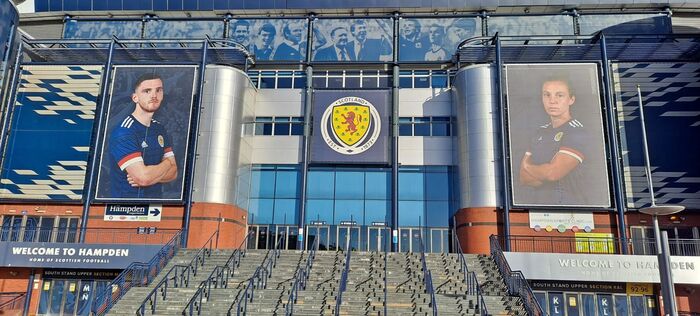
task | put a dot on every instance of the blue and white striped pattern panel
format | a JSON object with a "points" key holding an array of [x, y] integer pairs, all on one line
{"points": [[671, 95], [48, 146]]}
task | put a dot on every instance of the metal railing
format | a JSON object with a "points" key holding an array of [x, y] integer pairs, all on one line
{"points": [[473, 287], [300, 279], [177, 276], [386, 261], [598, 245], [258, 280], [217, 279], [343, 277], [136, 274], [427, 277], [12, 301], [92, 235], [517, 284]]}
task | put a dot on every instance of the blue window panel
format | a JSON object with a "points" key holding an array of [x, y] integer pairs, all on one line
{"points": [[115, 4], [421, 82], [319, 210], [411, 213], [56, 5], [137, 5], [411, 186], [587, 304], [605, 304], [439, 81], [287, 184], [541, 298], [260, 211], [220, 4], [100, 5], [437, 186], [321, 184], [621, 305], [284, 82], [85, 5], [71, 5], [190, 5], [437, 213], [161, 5], [377, 211], [297, 129], [299, 82], [349, 185], [637, 303], [206, 5], [377, 185], [41, 5], [406, 129], [174, 5], [556, 304], [286, 211], [262, 184], [281, 126], [349, 210]]}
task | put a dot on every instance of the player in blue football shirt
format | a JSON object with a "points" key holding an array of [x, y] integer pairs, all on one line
{"points": [[141, 147], [554, 166]]}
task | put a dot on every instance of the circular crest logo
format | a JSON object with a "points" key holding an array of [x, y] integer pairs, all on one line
{"points": [[350, 125]]}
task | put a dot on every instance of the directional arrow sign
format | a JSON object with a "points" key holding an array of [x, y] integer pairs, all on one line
{"points": [[133, 212]]}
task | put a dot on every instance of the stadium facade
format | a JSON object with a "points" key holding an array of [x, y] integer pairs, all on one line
{"points": [[379, 123]]}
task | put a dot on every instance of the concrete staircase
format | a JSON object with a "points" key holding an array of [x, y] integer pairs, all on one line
{"points": [[364, 295]]}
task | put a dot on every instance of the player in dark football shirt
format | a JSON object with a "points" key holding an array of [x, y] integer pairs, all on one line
{"points": [[141, 147], [554, 166]]}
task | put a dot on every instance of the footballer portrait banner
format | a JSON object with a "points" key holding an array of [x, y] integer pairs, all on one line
{"points": [[350, 127], [556, 139], [144, 146]]}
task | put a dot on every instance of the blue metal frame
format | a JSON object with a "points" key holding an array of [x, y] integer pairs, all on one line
{"points": [[505, 157], [94, 159], [395, 138], [614, 146], [194, 131], [308, 103], [11, 99], [30, 288]]}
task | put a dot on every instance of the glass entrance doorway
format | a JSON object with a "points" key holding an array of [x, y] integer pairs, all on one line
{"points": [[265, 236], [290, 234], [68, 296], [378, 239], [348, 237], [320, 233], [409, 239]]}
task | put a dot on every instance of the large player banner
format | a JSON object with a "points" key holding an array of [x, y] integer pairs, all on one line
{"points": [[350, 127], [555, 128], [145, 141]]}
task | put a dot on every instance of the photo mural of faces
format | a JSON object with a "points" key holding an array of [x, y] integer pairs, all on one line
{"points": [[352, 40], [434, 39], [268, 39]]}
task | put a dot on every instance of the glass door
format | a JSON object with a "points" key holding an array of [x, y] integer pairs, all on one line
{"points": [[377, 238], [320, 232], [348, 236], [260, 237], [290, 236], [439, 240]]}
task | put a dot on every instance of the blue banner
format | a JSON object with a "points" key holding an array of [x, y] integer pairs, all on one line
{"points": [[82, 256]]}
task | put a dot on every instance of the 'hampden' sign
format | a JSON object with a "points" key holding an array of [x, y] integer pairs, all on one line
{"points": [[66, 255]]}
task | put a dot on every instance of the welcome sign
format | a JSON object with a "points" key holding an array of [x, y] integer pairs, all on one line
{"points": [[350, 126], [66, 255]]}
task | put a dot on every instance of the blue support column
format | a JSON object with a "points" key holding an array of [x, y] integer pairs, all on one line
{"points": [[504, 147], [395, 139], [98, 125], [192, 154], [614, 146], [28, 296], [308, 103]]}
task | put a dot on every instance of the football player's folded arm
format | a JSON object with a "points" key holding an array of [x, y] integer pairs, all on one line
{"points": [[525, 177], [144, 176], [171, 174], [559, 167]]}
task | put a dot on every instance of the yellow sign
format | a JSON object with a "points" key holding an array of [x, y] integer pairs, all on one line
{"points": [[47, 286], [350, 122], [640, 288], [572, 301], [71, 287], [595, 243]]}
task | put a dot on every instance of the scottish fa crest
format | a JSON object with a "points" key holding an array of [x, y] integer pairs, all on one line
{"points": [[350, 125]]}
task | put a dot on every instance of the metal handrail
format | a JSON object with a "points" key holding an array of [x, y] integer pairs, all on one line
{"points": [[517, 284], [300, 279], [258, 280], [92, 235], [13, 302], [427, 277], [218, 277], [473, 286], [599, 245], [179, 274], [136, 274], [344, 277]]}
